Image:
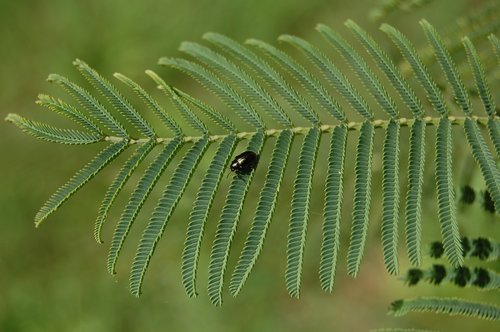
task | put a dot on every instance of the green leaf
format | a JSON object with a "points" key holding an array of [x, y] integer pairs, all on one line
{"points": [[390, 198], [214, 115], [257, 64], [389, 69], [90, 103], [362, 195], [240, 78], [483, 157], [479, 77], [431, 89], [115, 98], [333, 204], [247, 83], [450, 306], [312, 84], [484, 91], [465, 276], [416, 163], [79, 179], [162, 212], [223, 90], [199, 213], [371, 82], [448, 66], [446, 194], [227, 226], [272, 77], [293, 68], [263, 214], [339, 80], [185, 111], [335, 77], [69, 111], [53, 134], [300, 211], [137, 199], [118, 183], [494, 129], [151, 103]]}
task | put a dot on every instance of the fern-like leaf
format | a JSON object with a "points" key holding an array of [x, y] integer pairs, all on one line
{"points": [[240, 78], [137, 199], [313, 85], [53, 134], [446, 306], [494, 129], [389, 69], [90, 103], [482, 278], [484, 91], [118, 183], [250, 86], [362, 190], [446, 194], [479, 148], [227, 226], [416, 163], [222, 89], [162, 212], [151, 103], [335, 76], [371, 82], [294, 68], [300, 211], [431, 89], [390, 198], [255, 63], [79, 179], [448, 66], [215, 116], [115, 98], [479, 77], [270, 75], [264, 212], [69, 111], [199, 213], [332, 212], [186, 112], [485, 160]]}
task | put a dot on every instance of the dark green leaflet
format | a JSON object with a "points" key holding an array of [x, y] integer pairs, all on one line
{"points": [[227, 226], [199, 213], [333, 203], [162, 212], [137, 199], [264, 212], [79, 179], [300, 208]]}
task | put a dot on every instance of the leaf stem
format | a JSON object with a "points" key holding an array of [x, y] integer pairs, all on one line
{"points": [[404, 122]]}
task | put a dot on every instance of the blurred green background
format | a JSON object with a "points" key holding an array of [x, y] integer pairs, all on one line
{"points": [[54, 278]]}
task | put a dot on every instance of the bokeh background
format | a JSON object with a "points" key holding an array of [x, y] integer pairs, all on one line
{"points": [[54, 278]]}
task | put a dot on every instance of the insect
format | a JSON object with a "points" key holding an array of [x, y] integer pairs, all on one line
{"points": [[244, 163]]}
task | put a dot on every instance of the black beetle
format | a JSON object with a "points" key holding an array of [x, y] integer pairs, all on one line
{"points": [[244, 163]]}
